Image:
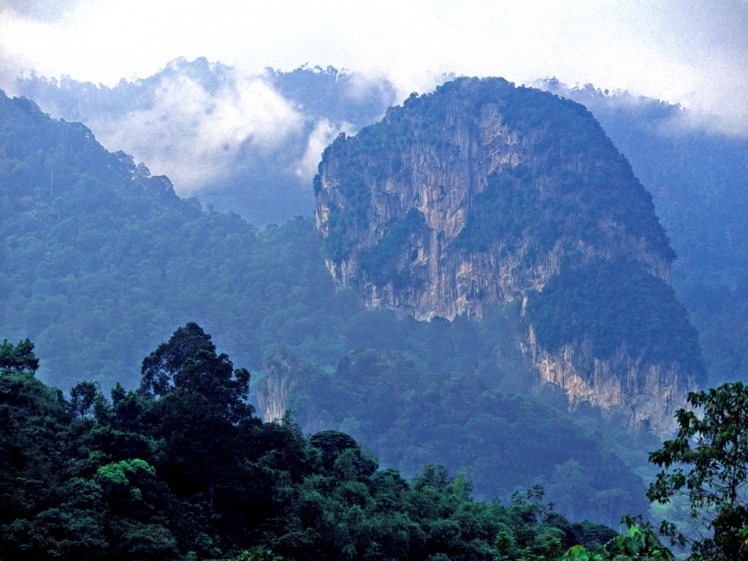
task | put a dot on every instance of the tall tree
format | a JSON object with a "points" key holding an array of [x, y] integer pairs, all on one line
{"points": [[18, 358], [160, 368], [197, 409]]}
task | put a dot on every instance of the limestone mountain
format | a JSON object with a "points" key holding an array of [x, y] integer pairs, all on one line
{"points": [[698, 179], [484, 192]]}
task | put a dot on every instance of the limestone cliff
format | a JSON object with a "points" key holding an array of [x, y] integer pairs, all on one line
{"points": [[483, 192], [279, 382], [611, 334], [647, 393], [476, 193], [286, 380]]}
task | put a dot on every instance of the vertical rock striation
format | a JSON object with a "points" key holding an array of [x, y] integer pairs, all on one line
{"points": [[279, 383]]}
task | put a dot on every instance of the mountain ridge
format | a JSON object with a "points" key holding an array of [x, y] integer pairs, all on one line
{"points": [[696, 175]]}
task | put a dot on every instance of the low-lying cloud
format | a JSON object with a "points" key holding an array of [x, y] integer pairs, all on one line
{"points": [[194, 134], [323, 134], [691, 53]]}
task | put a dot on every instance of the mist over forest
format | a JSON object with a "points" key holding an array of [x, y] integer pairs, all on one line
{"points": [[159, 237]]}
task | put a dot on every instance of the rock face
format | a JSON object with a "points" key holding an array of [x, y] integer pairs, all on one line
{"points": [[474, 194], [647, 393], [484, 192], [285, 378], [280, 382]]}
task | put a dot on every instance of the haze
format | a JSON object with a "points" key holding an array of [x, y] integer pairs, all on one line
{"points": [[689, 52]]}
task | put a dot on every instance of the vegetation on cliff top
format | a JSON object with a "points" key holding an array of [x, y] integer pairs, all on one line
{"points": [[614, 306], [698, 184], [573, 185]]}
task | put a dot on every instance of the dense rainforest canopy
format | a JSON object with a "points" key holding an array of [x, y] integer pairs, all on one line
{"points": [[181, 468]]}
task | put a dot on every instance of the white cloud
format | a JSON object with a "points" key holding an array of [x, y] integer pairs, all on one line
{"points": [[689, 52], [323, 134], [40, 10], [194, 135]]}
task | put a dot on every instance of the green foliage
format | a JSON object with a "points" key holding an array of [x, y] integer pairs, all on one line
{"points": [[257, 554], [614, 305], [18, 358], [213, 482], [639, 543], [99, 268], [84, 396], [382, 262], [409, 417], [113, 257], [161, 369], [708, 461], [119, 473], [507, 212], [29, 465]]}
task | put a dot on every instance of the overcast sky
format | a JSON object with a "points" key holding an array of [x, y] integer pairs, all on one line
{"points": [[692, 52]]}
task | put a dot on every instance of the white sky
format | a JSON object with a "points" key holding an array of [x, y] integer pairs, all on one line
{"points": [[693, 52]]}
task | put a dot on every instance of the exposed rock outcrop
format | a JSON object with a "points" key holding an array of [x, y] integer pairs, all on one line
{"points": [[483, 192], [285, 380], [279, 383], [402, 204], [646, 392]]}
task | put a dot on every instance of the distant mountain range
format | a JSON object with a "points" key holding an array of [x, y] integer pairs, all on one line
{"points": [[245, 144]]}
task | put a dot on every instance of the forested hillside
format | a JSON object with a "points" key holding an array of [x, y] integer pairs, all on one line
{"points": [[247, 144], [101, 261], [181, 468]]}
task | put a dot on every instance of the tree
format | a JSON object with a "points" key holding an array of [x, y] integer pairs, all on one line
{"points": [[18, 358], [83, 395], [708, 461], [195, 408], [570, 487], [161, 366]]}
